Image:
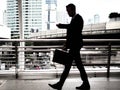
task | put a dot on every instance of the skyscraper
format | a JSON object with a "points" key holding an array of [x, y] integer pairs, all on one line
{"points": [[32, 17], [51, 13], [96, 18]]}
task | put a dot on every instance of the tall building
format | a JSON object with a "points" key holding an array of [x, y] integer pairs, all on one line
{"points": [[51, 7], [96, 18], [32, 17]]}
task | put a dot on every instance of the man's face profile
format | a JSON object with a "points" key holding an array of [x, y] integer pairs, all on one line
{"points": [[70, 11]]}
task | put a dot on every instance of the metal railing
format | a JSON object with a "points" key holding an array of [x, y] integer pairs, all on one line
{"points": [[21, 54]]}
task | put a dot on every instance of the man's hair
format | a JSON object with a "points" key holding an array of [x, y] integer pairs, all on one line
{"points": [[72, 6]]}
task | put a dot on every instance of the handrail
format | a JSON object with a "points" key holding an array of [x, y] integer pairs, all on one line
{"points": [[107, 46], [45, 40], [29, 40]]}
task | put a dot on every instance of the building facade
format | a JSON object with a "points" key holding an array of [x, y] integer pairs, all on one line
{"points": [[31, 17], [35, 16]]}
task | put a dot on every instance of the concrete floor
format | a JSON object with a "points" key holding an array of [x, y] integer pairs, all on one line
{"points": [[40, 80], [97, 83]]}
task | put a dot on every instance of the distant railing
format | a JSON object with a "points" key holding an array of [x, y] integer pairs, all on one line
{"points": [[62, 33], [101, 31], [21, 54]]}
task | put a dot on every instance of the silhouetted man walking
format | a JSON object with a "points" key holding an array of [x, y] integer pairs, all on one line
{"points": [[74, 43]]}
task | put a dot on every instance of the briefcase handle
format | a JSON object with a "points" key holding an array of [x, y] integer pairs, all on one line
{"points": [[67, 51]]}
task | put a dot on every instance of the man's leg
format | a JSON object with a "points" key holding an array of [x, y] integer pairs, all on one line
{"points": [[83, 73], [63, 77], [81, 68], [65, 73]]}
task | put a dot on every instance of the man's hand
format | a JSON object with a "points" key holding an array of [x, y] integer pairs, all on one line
{"points": [[59, 25], [64, 47]]}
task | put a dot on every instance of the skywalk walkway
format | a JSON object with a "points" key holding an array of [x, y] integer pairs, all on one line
{"points": [[27, 81], [97, 83]]}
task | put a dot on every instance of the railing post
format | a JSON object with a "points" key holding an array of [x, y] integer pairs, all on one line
{"points": [[109, 59], [16, 60]]}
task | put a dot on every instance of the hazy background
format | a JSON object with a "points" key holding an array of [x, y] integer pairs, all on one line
{"points": [[87, 8]]}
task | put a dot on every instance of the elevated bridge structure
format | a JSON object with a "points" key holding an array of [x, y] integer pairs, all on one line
{"points": [[108, 30]]}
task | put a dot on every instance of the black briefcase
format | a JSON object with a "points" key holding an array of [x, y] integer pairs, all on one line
{"points": [[61, 57]]}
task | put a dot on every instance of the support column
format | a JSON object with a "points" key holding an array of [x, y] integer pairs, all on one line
{"points": [[109, 59], [21, 57], [51, 56]]}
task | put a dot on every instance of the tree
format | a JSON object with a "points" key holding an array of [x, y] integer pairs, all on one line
{"points": [[114, 15]]}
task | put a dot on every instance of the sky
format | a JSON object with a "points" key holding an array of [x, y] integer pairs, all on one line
{"points": [[87, 8], [2, 8]]}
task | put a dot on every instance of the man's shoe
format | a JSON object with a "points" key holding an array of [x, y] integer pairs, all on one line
{"points": [[55, 86], [84, 87]]}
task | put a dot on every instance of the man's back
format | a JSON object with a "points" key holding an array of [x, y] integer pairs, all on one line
{"points": [[74, 32]]}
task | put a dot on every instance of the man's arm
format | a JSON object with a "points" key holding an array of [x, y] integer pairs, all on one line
{"points": [[62, 26]]}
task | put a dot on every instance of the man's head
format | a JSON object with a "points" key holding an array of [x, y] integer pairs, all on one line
{"points": [[71, 10]]}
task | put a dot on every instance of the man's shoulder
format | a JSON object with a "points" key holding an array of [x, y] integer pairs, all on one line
{"points": [[78, 15]]}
